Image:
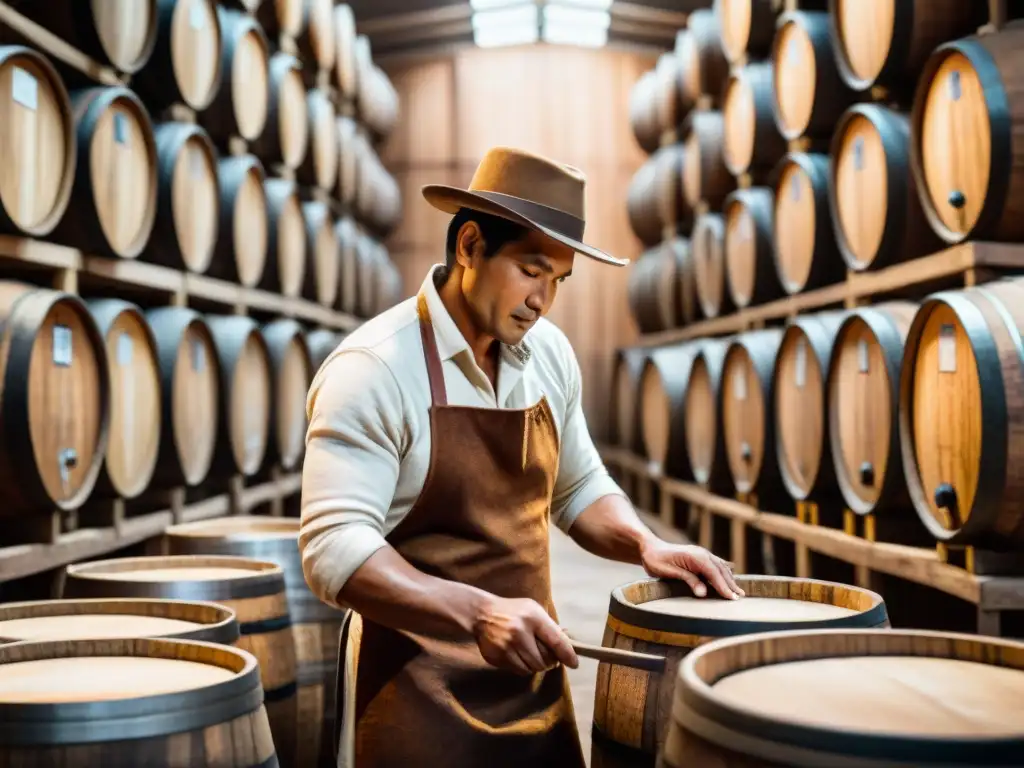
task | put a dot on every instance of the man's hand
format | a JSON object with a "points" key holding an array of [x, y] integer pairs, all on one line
{"points": [[519, 635], [688, 563]]}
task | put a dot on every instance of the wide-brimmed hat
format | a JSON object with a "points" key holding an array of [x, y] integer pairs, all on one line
{"points": [[530, 190]]}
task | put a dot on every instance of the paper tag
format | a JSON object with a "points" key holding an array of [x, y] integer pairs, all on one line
{"points": [[947, 348], [197, 164], [793, 54], [62, 345], [24, 89], [120, 128], [198, 355], [858, 153], [794, 187], [739, 382], [801, 362], [125, 347], [196, 17], [862, 355], [954, 85]]}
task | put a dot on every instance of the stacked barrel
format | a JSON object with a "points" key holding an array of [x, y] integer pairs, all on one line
{"points": [[852, 152]]}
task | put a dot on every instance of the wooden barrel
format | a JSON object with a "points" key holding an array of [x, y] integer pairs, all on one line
{"points": [[323, 265], [662, 618], [285, 268], [856, 697], [367, 257], [806, 254], [702, 407], [245, 389], [189, 394], [243, 231], [254, 589], [800, 408], [875, 208], [320, 166], [349, 239], [348, 161], [55, 404], [130, 701], [662, 391], [959, 414], [702, 61], [114, 198], [886, 42], [281, 17], [863, 406], [316, 39], [378, 198], [108, 618], [752, 140], [188, 198], [242, 102], [655, 197], [378, 103], [705, 177], [316, 626], [345, 71], [670, 104], [185, 67], [626, 371], [748, 396], [134, 374], [750, 273], [321, 343], [285, 139], [747, 28], [707, 244], [965, 98], [662, 290], [292, 372], [643, 113], [36, 121], [808, 94]]}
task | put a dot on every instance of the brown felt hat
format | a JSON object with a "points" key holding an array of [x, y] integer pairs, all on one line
{"points": [[529, 190]]}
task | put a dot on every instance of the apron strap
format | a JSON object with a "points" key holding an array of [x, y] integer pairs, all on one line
{"points": [[438, 393]]}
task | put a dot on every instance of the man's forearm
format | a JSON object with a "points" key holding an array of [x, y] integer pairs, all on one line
{"points": [[610, 528]]}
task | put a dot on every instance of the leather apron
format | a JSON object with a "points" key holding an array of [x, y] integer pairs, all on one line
{"points": [[482, 519]]}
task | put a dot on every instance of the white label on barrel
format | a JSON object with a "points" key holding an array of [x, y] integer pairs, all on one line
{"points": [[954, 85], [120, 128], [196, 16], [793, 53], [61, 345], [862, 355], [24, 89], [739, 382], [858, 153], [947, 348], [794, 187], [801, 362], [124, 349], [198, 355]]}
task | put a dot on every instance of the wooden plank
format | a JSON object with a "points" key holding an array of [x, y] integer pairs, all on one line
{"points": [[696, 495], [37, 252], [137, 273]]}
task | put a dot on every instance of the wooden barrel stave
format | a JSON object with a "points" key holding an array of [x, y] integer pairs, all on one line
{"points": [[292, 375], [285, 268], [705, 176], [752, 139], [319, 167], [285, 138], [702, 61], [243, 231], [750, 274], [662, 392], [748, 27], [705, 433]]}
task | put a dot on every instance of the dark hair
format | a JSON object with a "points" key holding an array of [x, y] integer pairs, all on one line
{"points": [[497, 233]]}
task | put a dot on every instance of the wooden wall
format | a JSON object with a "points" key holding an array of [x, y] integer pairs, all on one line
{"points": [[566, 103]]}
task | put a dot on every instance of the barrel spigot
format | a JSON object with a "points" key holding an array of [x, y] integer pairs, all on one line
{"points": [[867, 474], [945, 498], [745, 453], [957, 199]]}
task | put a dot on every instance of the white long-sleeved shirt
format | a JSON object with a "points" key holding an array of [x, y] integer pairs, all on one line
{"points": [[368, 441]]}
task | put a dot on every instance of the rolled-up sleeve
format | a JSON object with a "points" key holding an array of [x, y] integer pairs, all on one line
{"points": [[353, 451]]}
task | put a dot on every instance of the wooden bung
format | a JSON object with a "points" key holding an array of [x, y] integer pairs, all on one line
{"points": [[702, 61], [117, 618], [285, 268], [189, 388], [752, 140], [857, 697], [626, 370], [961, 414], [707, 244], [319, 167], [114, 198], [243, 231], [809, 95], [185, 67], [321, 343], [663, 384], [254, 589], [285, 139], [346, 74], [134, 374], [705, 177], [281, 17], [662, 293], [35, 122], [800, 409], [747, 28], [703, 407], [292, 373], [806, 254], [655, 198], [632, 707], [54, 399], [644, 120], [315, 625], [967, 154], [873, 199], [750, 273], [133, 701], [863, 406]]}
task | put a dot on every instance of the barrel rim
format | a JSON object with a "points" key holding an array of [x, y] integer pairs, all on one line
{"points": [[620, 608], [53, 724], [992, 460], [702, 711], [1000, 136], [895, 61], [819, 191]]}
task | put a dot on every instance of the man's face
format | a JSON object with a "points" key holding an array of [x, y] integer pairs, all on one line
{"points": [[510, 291]]}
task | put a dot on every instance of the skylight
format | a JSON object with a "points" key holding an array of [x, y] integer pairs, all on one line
{"points": [[562, 22]]}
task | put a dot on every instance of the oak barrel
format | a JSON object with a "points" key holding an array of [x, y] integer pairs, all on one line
{"points": [[323, 267], [662, 392], [284, 271], [750, 273], [316, 38], [863, 406], [705, 434], [752, 139], [707, 244], [378, 103], [801, 406], [185, 67], [747, 28], [627, 368], [243, 231], [189, 393], [126, 702], [321, 343], [662, 290], [114, 198], [854, 697], [967, 154], [655, 197], [135, 390], [291, 374], [875, 208], [748, 420], [319, 167], [702, 61], [705, 177], [35, 122], [254, 589], [245, 394], [54, 400], [284, 139], [281, 17], [111, 618], [806, 253], [960, 413], [633, 707], [346, 75], [643, 114], [378, 197], [670, 102], [315, 625], [809, 95]]}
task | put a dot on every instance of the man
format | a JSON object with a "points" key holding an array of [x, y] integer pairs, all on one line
{"points": [[443, 435]]}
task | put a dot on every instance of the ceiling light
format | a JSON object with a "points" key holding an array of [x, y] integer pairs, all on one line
{"points": [[583, 18]]}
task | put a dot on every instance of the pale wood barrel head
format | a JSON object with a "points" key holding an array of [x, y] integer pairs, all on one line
{"points": [[701, 426], [291, 246], [734, 18], [740, 252], [795, 224], [626, 389], [125, 29], [320, 21], [743, 415], [324, 139], [251, 226], [250, 404], [709, 262], [861, 189], [794, 77], [655, 413], [250, 81], [195, 401], [293, 118], [346, 74], [196, 51], [799, 410], [195, 202], [740, 114], [293, 380], [864, 30]]}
